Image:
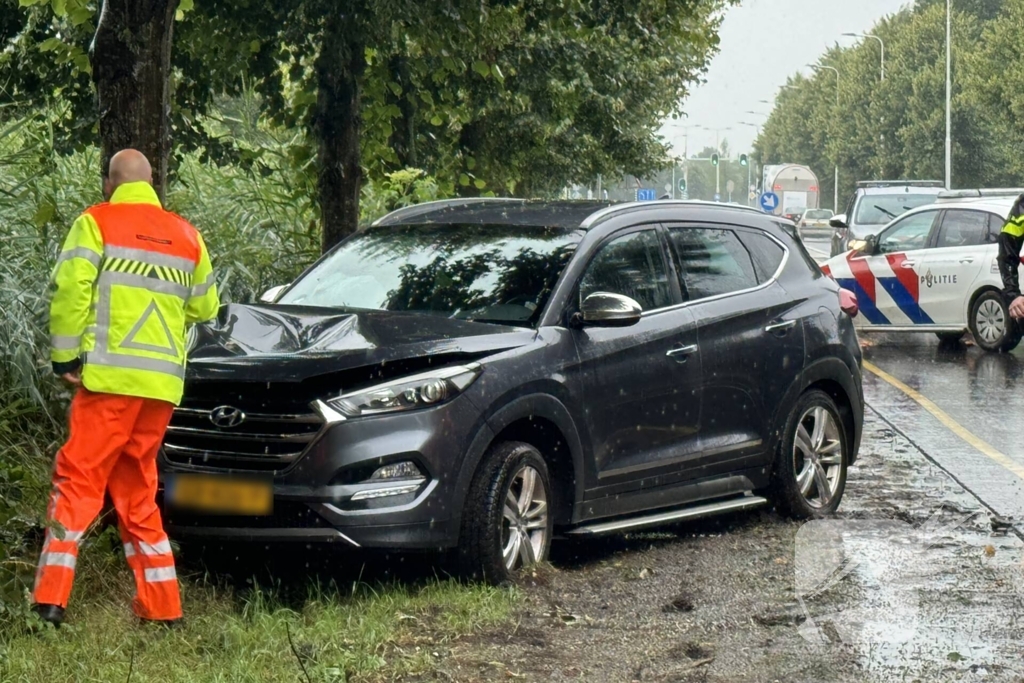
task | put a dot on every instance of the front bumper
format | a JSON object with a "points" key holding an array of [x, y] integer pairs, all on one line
{"points": [[324, 496]]}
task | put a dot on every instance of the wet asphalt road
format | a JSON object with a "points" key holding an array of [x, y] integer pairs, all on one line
{"points": [[980, 393]]}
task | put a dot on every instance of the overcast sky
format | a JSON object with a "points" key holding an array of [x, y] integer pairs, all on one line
{"points": [[763, 43]]}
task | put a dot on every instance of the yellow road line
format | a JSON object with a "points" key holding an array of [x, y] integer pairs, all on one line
{"points": [[948, 422]]}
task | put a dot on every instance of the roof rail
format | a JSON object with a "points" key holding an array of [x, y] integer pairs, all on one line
{"points": [[606, 212], [900, 183], [427, 207], [981, 193]]}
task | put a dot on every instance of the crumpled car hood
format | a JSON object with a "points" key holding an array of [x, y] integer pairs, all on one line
{"points": [[292, 343]]}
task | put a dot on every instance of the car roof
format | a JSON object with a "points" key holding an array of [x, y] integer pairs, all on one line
{"points": [[577, 214], [496, 211], [900, 189], [1000, 205]]}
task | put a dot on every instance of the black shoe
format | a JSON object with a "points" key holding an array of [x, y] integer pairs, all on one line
{"points": [[53, 614]]}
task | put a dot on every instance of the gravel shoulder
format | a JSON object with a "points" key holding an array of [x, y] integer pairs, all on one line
{"points": [[908, 582]]}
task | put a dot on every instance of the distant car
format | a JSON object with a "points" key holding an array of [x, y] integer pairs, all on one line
{"points": [[934, 270], [875, 203], [482, 375], [815, 221]]}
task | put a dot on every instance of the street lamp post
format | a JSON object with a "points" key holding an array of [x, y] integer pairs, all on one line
{"points": [[881, 44], [749, 160], [949, 94], [818, 67]]}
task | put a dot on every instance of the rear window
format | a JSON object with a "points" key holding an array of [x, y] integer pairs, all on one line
{"points": [[817, 214], [765, 252], [880, 209]]}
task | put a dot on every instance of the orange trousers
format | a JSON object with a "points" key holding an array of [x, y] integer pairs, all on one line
{"points": [[113, 446]]}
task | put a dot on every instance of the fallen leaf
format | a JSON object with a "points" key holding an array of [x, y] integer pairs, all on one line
{"points": [[990, 550]]}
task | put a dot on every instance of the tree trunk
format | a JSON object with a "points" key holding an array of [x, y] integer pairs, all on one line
{"points": [[336, 124], [403, 137], [131, 67]]}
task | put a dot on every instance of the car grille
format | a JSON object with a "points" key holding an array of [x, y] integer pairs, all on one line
{"points": [[263, 441]]}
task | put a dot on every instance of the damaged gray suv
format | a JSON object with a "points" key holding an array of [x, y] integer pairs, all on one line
{"points": [[481, 375]]}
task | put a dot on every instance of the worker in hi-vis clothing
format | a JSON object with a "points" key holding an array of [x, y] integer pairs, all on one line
{"points": [[129, 279]]}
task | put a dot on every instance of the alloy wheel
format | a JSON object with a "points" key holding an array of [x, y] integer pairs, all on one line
{"points": [[524, 523], [818, 457], [990, 321]]}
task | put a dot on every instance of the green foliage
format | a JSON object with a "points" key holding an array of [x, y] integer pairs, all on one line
{"points": [[896, 129]]}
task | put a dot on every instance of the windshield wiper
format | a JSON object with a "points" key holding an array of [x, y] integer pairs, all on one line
{"points": [[886, 211]]}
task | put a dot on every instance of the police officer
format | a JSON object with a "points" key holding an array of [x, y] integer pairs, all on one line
{"points": [[1011, 239], [129, 278]]}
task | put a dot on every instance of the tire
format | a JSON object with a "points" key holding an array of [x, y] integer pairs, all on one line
{"points": [[489, 531], [832, 454], [990, 322]]}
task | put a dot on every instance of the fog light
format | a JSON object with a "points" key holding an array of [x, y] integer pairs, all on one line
{"points": [[388, 491], [406, 469]]}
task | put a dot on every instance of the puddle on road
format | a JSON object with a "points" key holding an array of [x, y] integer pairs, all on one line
{"points": [[929, 593]]}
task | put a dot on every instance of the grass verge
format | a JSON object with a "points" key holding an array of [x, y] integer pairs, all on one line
{"points": [[317, 630]]}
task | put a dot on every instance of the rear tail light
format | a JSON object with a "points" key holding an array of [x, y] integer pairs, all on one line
{"points": [[848, 302]]}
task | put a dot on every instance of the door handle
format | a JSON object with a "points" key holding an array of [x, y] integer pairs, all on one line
{"points": [[967, 259], [780, 329], [681, 354], [908, 264]]}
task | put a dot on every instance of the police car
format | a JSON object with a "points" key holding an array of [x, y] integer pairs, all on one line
{"points": [[934, 269]]}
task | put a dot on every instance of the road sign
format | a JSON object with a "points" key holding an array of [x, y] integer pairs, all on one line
{"points": [[718, 197], [769, 202], [646, 195], [730, 186]]}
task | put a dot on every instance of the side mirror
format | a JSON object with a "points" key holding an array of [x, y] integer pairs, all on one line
{"points": [[838, 221], [603, 309], [870, 245], [270, 296]]}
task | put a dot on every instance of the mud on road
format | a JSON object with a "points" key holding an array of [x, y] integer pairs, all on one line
{"points": [[910, 582]]}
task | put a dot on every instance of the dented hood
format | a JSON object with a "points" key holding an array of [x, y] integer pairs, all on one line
{"points": [[292, 343]]}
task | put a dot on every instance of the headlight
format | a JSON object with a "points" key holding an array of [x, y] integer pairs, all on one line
{"points": [[857, 245], [409, 393]]}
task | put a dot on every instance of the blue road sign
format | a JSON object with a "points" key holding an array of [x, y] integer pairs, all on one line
{"points": [[769, 202], [645, 195], [718, 197]]}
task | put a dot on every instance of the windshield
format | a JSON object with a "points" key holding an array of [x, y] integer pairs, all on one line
{"points": [[880, 209], [817, 214], [487, 273]]}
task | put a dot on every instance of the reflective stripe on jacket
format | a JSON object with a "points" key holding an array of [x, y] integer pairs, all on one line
{"points": [[129, 279]]}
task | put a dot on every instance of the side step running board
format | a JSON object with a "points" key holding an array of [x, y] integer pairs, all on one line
{"points": [[705, 510]]}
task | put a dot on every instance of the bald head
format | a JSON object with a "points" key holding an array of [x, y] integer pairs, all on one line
{"points": [[127, 166]]}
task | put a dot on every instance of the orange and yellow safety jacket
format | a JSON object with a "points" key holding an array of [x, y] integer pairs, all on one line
{"points": [[129, 279]]}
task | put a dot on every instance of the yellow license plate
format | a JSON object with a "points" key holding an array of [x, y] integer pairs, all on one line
{"points": [[220, 495]]}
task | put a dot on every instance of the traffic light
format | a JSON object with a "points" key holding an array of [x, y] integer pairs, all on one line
{"points": [[682, 184], [743, 160], [714, 160]]}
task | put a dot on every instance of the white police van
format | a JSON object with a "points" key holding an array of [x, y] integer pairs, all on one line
{"points": [[934, 269]]}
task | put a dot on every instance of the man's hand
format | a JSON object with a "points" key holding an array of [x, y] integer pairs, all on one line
{"points": [[1017, 308], [75, 378]]}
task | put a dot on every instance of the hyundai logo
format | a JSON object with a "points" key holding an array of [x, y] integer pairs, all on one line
{"points": [[226, 417]]}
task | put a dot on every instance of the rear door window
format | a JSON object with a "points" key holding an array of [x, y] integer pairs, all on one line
{"points": [[713, 261], [765, 252], [995, 226], [963, 228]]}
